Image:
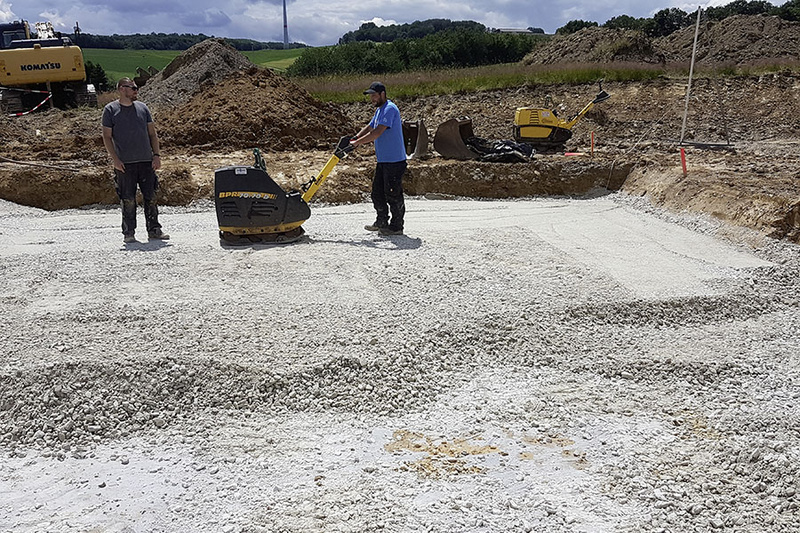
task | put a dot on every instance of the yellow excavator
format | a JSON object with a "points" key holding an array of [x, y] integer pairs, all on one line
{"points": [[35, 71], [253, 209], [541, 126]]}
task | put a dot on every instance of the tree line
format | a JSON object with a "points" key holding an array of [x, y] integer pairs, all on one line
{"points": [[167, 41], [369, 31], [670, 20], [446, 49]]}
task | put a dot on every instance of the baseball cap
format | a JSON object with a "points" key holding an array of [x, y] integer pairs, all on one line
{"points": [[376, 87]]}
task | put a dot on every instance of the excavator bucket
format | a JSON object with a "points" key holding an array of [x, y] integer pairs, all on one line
{"points": [[415, 136], [450, 136]]}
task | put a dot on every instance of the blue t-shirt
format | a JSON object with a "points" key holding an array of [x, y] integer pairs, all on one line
{"points": [[389, 147]]}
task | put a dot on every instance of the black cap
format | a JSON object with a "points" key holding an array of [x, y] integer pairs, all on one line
{"points": [[376, 87]]}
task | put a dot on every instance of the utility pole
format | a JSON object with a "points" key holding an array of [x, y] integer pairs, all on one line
{"points": [[285, 28]]}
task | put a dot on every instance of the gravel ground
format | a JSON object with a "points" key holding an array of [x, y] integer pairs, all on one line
{"points": [[556, 365]]}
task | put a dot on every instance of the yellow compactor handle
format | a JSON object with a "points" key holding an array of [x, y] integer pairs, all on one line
{"points": [[342, 149], [317, 182]]}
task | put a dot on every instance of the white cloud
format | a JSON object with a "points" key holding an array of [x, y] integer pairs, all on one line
{"points": [[378, 22], [6, 14]]}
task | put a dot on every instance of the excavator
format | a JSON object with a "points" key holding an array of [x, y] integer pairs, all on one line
{"points": [[35, 71], [253, 209]]}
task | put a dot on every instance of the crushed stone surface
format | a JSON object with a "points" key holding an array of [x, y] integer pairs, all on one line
{"points": [[561, 365]]}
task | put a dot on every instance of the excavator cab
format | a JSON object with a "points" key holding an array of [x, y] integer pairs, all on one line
{"points": [[13, 31]]}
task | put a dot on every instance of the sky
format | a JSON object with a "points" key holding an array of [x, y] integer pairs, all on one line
{"points": [[316, 22]]}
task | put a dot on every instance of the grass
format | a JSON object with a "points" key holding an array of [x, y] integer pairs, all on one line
{"points": [[349, 89], [121, 63], [274, 59]]}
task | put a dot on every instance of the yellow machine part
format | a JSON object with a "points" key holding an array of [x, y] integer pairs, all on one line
{"points": [[536, 116], [535, 132], [280, 228], [28, 66], [320, 178]]}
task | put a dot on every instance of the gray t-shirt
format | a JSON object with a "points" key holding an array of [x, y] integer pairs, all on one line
{"points": [[129, 130]]}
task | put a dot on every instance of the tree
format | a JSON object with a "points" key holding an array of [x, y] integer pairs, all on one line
{"points": [[739, 7], [574, 25], [789, 11], [667, 21], [96, 76], [625, 22]]}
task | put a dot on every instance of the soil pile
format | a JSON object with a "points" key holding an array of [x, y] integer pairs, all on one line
{"points": [[203, 63], [595, 45], [741, 39], [254, 108]]}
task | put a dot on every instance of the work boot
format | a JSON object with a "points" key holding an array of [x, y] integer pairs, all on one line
{"points": [[127, 239], [389, 231], [375, 226], [157, 234]]}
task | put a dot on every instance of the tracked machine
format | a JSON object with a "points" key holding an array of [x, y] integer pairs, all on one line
{"points": [[542, 127], [253, 209], [35, 71]]}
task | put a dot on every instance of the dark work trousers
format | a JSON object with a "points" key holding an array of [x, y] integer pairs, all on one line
{"points": [[387, 194], [143, 175]]}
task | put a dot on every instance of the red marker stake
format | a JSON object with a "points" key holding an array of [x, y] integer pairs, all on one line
{"points": [[683, 161]]}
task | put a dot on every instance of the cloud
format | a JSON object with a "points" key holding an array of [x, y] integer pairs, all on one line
{"points": [[208, 19], [378, 22], [6, 15], [318, 22]]}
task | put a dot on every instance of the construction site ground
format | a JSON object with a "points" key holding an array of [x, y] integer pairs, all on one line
{"points": [[580, 343], [753, 183]]}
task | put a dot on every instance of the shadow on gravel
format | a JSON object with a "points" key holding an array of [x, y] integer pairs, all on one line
{"points": [[400, 242], [148, 246]]}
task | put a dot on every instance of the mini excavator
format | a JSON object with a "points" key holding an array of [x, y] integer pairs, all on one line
{"points": [[253, 209], [541, 127]]}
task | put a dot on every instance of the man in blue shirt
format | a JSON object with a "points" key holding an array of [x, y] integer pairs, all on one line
{"points": [[386, 131]]}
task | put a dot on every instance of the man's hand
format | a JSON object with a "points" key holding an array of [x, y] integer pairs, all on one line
{"points": [[118, 164], [156, 162]]}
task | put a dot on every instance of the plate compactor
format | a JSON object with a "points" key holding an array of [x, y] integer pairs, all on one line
{"points": [[253, 209], [541, 127]]}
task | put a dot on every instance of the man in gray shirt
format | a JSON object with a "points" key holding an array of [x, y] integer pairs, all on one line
{"points": [[130, 138]]}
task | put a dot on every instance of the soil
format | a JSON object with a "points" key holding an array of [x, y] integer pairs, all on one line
{"points": [[212, 107], [737, 40]]}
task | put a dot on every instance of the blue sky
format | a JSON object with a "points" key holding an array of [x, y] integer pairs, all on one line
{"points": [[315, 22]]}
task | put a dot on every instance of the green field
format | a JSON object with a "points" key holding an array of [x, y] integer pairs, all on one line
{"points": [[119, 63]]}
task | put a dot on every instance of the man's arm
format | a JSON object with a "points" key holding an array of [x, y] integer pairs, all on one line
{"points": [[109, 144], [367, 135], [154, 144]]}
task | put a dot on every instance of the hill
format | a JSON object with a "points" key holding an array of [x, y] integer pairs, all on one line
{"points": [[740, 40]]}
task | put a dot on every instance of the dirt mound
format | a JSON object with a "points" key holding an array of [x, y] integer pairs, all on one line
{"points": [[208, 61], [595, 45], [741, 39], [254, 108]]}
